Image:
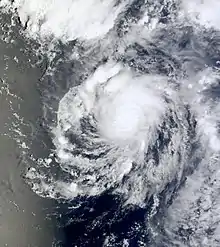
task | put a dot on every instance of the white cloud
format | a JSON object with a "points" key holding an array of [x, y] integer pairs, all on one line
{"points": [[66, 20]]}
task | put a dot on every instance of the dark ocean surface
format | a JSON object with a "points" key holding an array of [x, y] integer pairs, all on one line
{"points": [[67, 177]]}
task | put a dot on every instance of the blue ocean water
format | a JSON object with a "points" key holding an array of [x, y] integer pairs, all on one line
{"points": [[147, 179]]}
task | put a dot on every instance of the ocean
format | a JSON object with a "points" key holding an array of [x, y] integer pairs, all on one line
{"points": [[109, 123]]}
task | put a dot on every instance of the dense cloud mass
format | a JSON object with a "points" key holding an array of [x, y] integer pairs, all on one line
{"points": [[133, 113]]}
